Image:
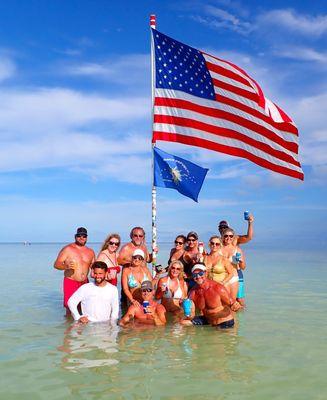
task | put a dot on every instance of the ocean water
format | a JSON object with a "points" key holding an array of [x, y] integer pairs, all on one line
{"points": [[276, 351]]}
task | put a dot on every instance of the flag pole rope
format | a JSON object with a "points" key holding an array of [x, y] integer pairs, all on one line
{"points": [[154, 190]]}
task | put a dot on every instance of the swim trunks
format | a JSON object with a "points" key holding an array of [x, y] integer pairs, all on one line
{"points": [[226, 324], [200, 320], [70, 287]]}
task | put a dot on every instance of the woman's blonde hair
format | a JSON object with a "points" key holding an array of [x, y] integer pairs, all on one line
{"points": [[181, 274], [106, 242]]}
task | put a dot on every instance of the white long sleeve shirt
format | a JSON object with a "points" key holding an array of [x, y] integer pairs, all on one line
{"points": [[99, 303]]}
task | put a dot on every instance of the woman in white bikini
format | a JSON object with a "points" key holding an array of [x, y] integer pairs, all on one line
{"points": [[172, 289], [109, 254]]}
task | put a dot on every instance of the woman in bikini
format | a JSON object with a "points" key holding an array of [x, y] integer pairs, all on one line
{"points": [[109, 254], [229, 250], [172, 289], [133, 276], [177, 252], [219, 268]]}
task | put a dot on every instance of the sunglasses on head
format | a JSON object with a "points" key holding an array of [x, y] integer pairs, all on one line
{"points": [[146, 290], [82, 235], [114, 243], [177, 242], [137, 257], [228, 236], [214, 243], [197, 274]]}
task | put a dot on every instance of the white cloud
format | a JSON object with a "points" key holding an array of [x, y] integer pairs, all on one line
{"points": [[47, 110], [302, 53], [7, 68], [292, 21], [123, 70]]}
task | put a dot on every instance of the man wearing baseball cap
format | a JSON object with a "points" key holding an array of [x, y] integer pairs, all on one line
{"points": [[75, 260], [147, 313], [212, 300]]}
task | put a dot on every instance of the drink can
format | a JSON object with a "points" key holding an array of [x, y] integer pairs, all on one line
{"points": [[187, 307], [246, 215], [238, 257], [145, 306]]}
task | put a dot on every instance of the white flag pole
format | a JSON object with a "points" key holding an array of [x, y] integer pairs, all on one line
{"points": [[154, 190]]}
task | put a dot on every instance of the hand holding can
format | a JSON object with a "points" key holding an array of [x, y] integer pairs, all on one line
{"points": [[246, 215], [187, 307], [145, 306]]}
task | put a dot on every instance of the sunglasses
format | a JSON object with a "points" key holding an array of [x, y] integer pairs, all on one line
{"points": [[191, 240], [137, 258], [82, 236], [135, 235], [195, 275], [177, 242], [146, 290], [228, 236], [114, 243], [175, 269], [214, 243]]}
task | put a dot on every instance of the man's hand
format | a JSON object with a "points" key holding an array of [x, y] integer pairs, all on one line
{"points": [[235, 306], [83, 320]]}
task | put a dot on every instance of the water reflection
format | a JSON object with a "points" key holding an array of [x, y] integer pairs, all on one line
{"points": [[91, 345]]}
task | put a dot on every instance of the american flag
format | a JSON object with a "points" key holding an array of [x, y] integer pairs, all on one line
{"points": [[204, 101]]}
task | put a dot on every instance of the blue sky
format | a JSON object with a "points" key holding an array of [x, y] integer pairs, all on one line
{"points": [[75, 130]]}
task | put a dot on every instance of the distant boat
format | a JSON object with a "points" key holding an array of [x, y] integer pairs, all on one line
{"points": [[26, 243]]}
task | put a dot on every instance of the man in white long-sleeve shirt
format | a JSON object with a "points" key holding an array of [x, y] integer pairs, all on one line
{"points": [[99, 300]]}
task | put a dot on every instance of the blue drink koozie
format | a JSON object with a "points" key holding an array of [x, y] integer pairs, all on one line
{"points": [[187, 307], [246, 215], [145, 306]]}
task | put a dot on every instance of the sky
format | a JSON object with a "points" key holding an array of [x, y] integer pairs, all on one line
{"points": [[75, 119]]}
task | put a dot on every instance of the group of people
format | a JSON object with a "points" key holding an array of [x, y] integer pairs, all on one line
{"points": [[210, 282]]}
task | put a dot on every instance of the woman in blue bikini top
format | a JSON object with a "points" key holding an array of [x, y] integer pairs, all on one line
{"points": [[133, 276]]}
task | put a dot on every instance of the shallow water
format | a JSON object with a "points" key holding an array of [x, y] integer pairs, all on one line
{"points": [[277, 349]]}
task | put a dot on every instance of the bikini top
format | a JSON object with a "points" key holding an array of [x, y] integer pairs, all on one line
{"points": [[168, 294], [133, 283], [217, 272]]}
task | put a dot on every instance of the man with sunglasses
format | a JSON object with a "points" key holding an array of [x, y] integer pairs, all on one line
{"points": [[150, 313], [137, 236], [212, 300], [75, 260]]}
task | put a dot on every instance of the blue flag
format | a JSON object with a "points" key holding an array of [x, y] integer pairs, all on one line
{"points": [[176, 173]]}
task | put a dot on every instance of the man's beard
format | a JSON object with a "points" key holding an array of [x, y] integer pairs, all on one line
{"points": [[99, 282]]}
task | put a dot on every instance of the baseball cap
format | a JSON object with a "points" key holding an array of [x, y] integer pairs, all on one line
{"points": [[81, 231], [138, 252], [146, 285], [194, 234], [202, 267], [223, 224]]}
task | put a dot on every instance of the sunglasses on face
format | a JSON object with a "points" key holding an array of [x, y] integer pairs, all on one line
{"points": [[136, 235], [175, 269], [214, 243], [177, 242], [191, 240], [228, 236], [196, 275], [137, 258], [114, 243], [146, 290], [82, 236]]}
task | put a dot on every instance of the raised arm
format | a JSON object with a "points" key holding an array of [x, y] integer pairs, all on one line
{"points": [[246, 238]]}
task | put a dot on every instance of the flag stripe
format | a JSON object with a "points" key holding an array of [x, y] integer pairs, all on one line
{"points": [[197, 141], [166, 124], [214, 109], [225, 130]]}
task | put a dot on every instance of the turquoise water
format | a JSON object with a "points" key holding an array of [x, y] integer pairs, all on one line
{"points": [[276, 351]]}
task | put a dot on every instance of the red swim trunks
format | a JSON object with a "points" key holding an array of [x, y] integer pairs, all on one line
{"points": [[70, 287]]}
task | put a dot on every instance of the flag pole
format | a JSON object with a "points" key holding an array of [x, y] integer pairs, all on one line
{"points": [[154, 190]]}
